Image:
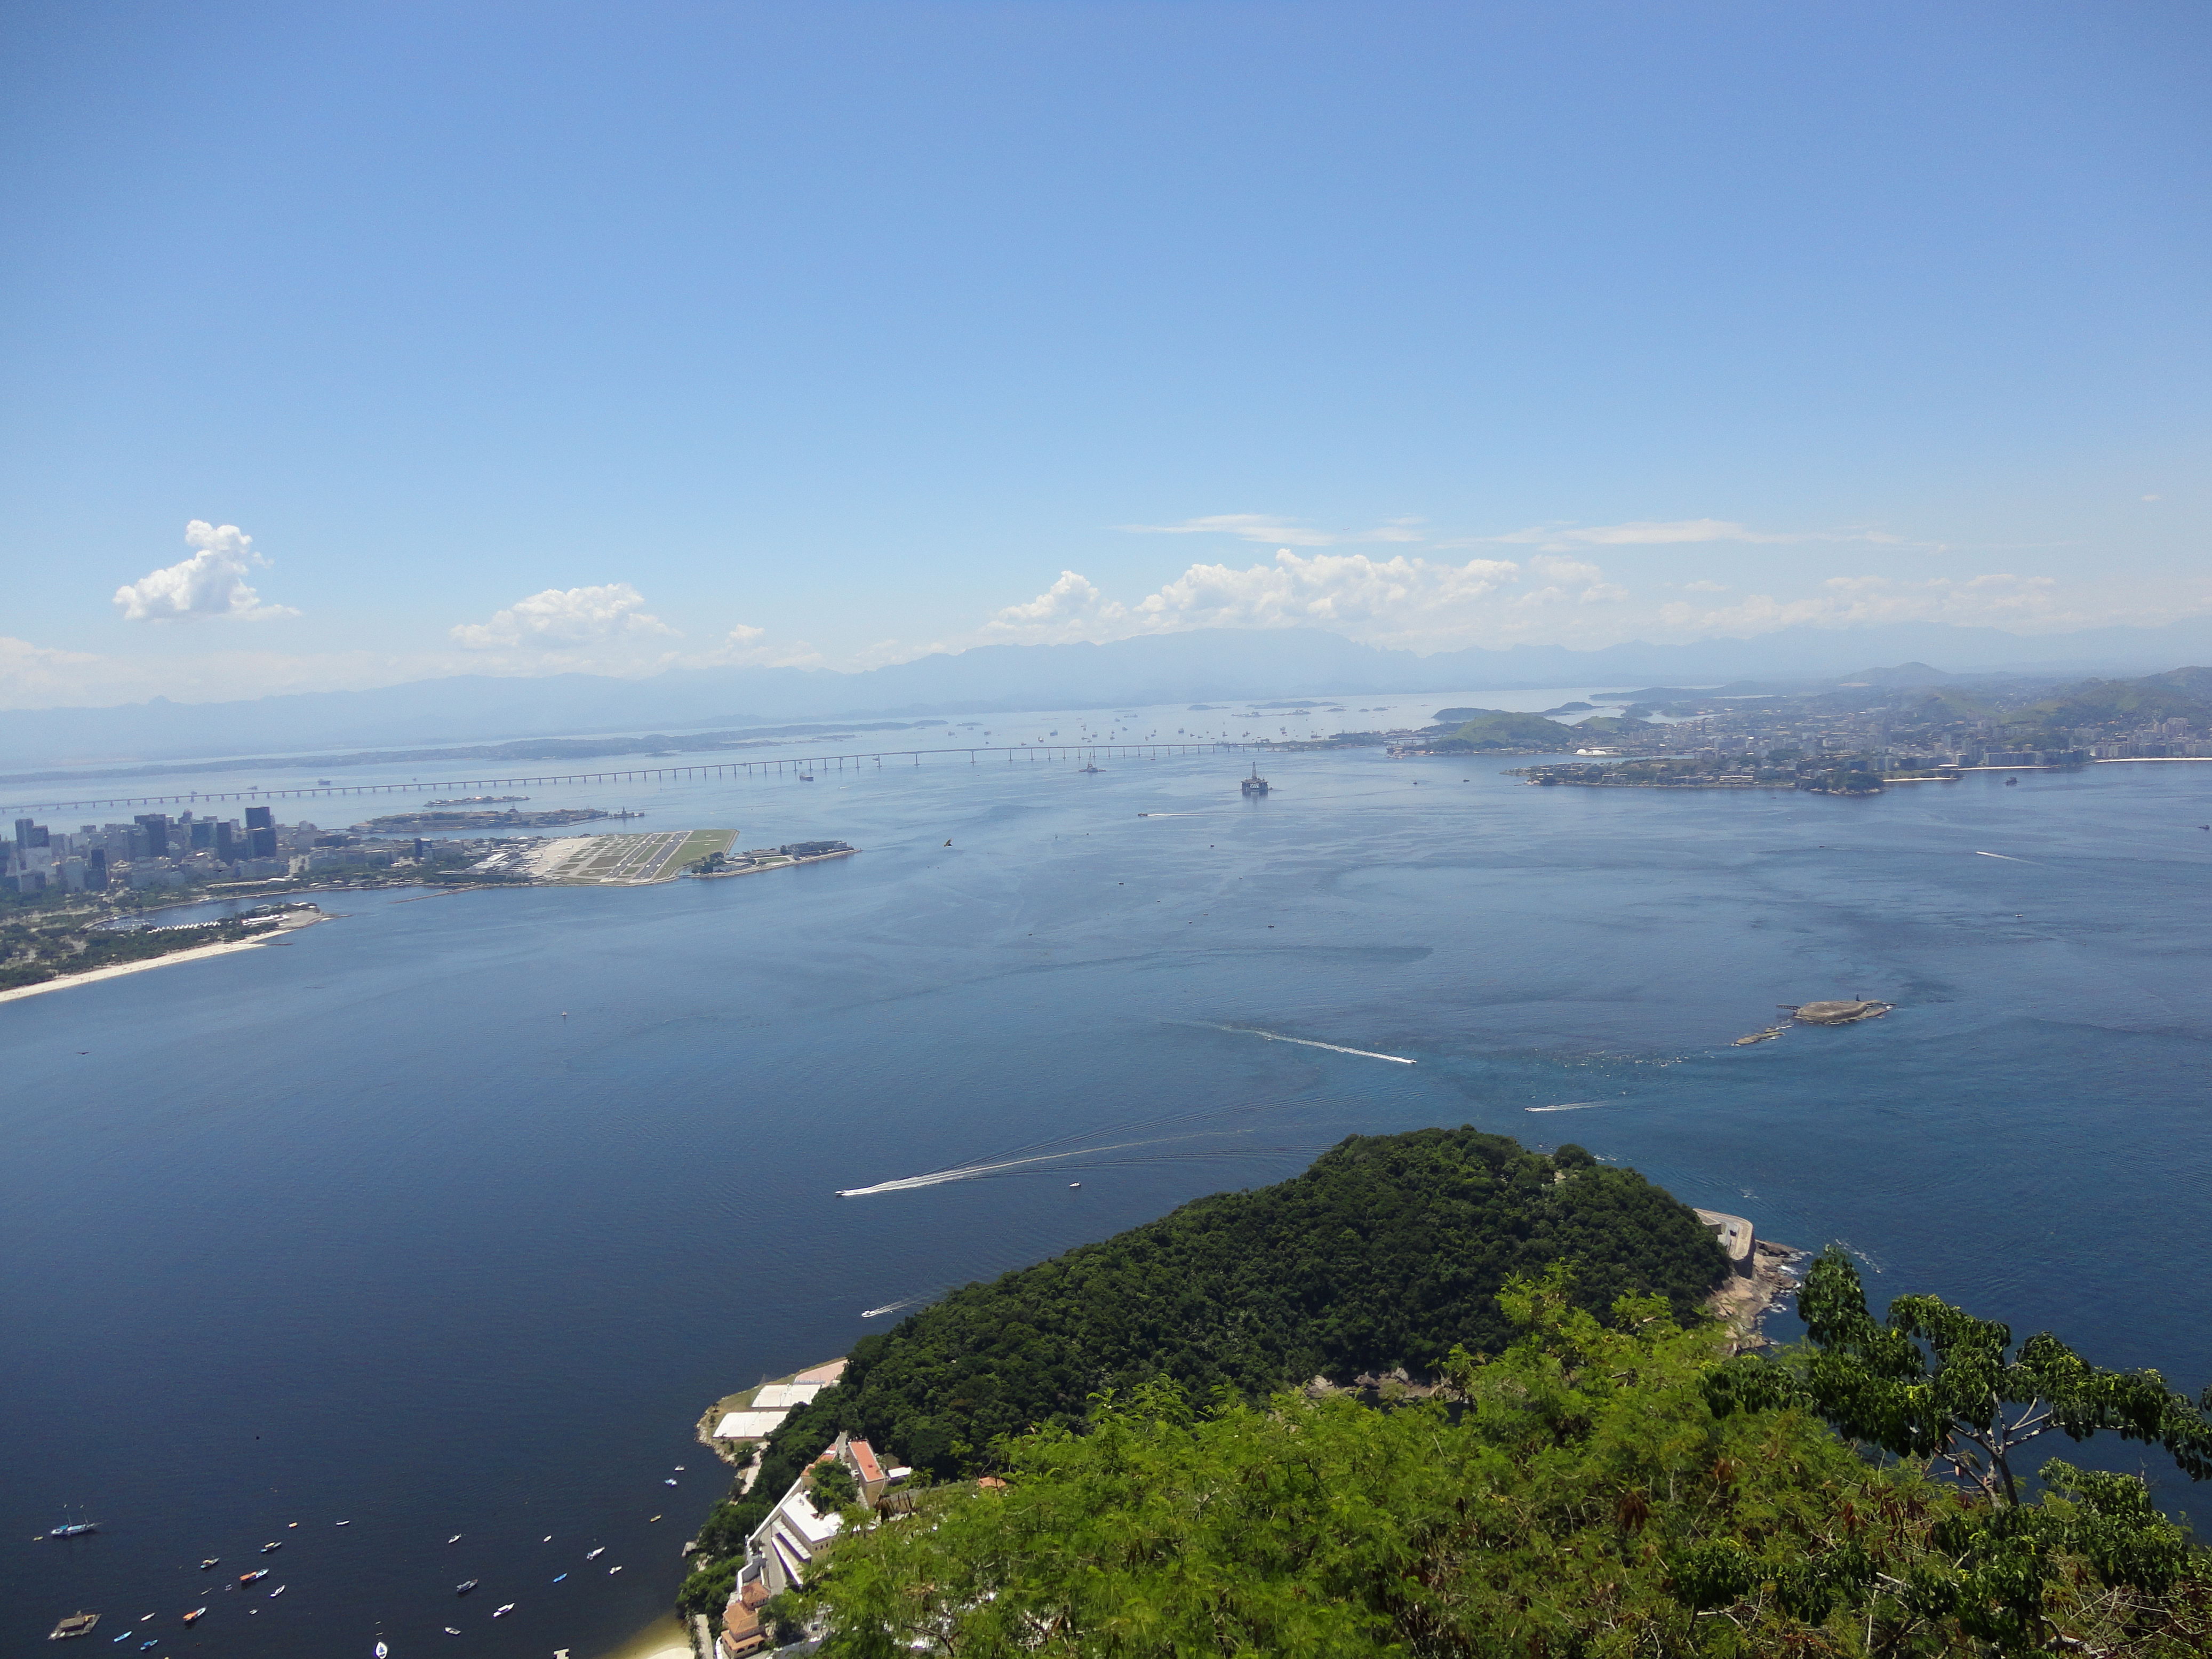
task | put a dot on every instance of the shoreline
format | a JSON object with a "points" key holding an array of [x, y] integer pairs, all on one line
{"points": [[198, 953]]}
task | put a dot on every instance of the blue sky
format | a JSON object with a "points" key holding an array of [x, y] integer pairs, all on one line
{"points": [[522, 338]]}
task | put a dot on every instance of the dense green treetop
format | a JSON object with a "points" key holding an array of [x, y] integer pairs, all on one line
{"points": [[1388, 1252], [1575, 1498]]}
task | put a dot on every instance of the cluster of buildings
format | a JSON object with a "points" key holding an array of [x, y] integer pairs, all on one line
{"points": [[154, 850], [780, 1553], [1801, 735]]}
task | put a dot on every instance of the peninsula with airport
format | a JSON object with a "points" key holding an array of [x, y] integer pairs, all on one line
{"points": [[84, 904]]}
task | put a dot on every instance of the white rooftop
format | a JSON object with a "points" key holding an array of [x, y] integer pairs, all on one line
{"points": [[748, 1426], [783, 1396]]}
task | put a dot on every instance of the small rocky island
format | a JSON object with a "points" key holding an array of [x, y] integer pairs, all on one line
{"points": [[1836, 1013]]}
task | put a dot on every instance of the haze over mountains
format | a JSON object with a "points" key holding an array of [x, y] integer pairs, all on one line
{"points": [[1201, 666]]}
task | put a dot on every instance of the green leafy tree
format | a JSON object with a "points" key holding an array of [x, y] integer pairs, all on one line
{"points": [[1576, 1495], [1934, 1383], [832, 1487]]}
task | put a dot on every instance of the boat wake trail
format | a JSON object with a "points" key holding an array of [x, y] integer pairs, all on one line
{"points": [[1570, 1106], [890, 1307], [1302, 1043], [972, 1171], [2007, 857]]}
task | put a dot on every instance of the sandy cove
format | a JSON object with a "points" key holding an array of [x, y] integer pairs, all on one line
{"points": [[199, 953]]}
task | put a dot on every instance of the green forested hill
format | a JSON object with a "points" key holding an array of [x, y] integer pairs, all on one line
{"points": [[1502, 728], [1389, 1251]]}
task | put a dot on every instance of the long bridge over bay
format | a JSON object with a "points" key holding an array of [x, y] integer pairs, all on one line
{"points": [[762, 767]]}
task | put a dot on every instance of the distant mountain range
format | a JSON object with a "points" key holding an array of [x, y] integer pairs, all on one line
{"points": [[1205, 666]]}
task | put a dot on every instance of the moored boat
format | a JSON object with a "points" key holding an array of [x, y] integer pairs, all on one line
{"points": [[464, 1586], [77, 1624]]}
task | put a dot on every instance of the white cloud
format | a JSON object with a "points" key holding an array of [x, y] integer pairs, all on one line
{"points": [[567, 619], [1705, 587], [1648, 532], [1998, 599], [1397, 600], [746, 647], [211, 583], [1265, 527]]}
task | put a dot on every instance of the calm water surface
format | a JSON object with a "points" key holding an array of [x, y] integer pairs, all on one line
{"points": [[450, 1216]]}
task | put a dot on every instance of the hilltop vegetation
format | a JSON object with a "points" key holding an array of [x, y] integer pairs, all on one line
{"points": [[1585, 1493], [1389, 1252]]}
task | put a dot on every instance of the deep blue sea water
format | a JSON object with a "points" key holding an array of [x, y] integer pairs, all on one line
{"points": [[452, 1215]]}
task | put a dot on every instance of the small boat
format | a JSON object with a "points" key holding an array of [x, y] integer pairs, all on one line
{"points": [[597, 1553], [196, 1616], [254, 1578], [651, 1517], [465, 1586], [455, 1539], [73, 1529], [153, 1641], [451, 1631], [611, 1571], [558, 1577], [271, 1549], [77, 1624], [547, 1539], [1072, 1185], [211, 1561], [806, 777], [670, 1481], [501, 1612], [679, 1468], [382, 1651], [342, 1524], [278, 1591]]}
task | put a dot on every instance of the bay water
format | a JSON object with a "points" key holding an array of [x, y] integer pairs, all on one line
{"points": [[452, 1215]]}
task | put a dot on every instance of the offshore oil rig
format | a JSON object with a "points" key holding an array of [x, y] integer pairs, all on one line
{"points": [[1254, 785]]}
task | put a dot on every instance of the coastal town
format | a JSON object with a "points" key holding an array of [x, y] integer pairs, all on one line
{"points": [[1907, 724]]}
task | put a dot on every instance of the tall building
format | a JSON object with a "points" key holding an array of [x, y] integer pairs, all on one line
{"points": [[226, 840], [156, 825]]}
